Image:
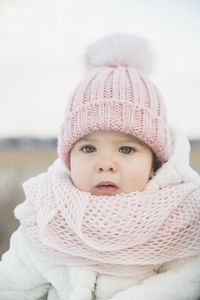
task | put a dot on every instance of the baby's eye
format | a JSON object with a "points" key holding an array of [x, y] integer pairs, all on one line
{"points": [[88, 149], [126, 149]]}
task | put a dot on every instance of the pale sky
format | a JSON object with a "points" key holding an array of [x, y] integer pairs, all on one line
{"points": [[42, 43]]}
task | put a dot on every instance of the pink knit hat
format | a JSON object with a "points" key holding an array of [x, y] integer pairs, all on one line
{"points": [[116, 95]]}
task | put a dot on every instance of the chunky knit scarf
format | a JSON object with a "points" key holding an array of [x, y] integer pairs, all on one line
{"points": [[118, 235]]}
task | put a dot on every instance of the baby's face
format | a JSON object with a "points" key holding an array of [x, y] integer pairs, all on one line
{"points": [[110, 162]]}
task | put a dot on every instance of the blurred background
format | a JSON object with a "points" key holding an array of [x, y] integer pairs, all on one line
{"points": [[42, 43]]}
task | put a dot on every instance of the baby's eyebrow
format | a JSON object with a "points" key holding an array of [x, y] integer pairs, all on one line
{"points": [[85, 140], [128, 140], [131, 140]]}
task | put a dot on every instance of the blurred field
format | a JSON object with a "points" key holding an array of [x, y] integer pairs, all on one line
{"points": [[16, 166]]}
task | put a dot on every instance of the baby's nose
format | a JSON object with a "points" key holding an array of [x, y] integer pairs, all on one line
{"points": [[106, 165]]}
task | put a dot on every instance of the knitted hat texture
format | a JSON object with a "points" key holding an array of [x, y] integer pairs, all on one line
{"points": [[117, 95]]}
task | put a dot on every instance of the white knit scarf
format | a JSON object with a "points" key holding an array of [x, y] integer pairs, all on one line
{"points": [[119, 235]]}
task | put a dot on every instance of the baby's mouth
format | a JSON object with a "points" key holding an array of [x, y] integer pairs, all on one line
{"points": [[106, 187]]}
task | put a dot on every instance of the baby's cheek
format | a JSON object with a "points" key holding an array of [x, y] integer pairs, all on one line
{"points": [[137, 178], [81, 180], [80, 183]]}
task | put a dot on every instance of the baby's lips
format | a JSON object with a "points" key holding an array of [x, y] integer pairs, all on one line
{"points": [[106, 183], [107, 187]]}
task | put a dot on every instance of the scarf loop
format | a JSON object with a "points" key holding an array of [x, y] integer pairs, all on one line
{"points": [[117, 235]]}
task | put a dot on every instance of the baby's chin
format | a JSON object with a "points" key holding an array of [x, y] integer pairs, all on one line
{"points": [[112, 193]]}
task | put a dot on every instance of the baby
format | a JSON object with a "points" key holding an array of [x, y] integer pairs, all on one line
{"points": [[112, 163], [117, 215]]}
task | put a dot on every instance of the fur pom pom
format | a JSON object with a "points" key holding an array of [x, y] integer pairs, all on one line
{"points": [[120, 50]]}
